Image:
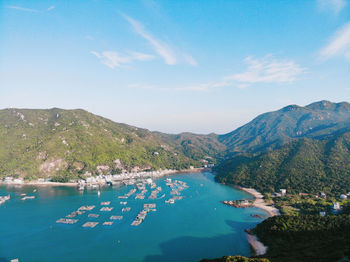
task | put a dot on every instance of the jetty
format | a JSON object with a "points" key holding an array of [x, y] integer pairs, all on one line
{"points": [[27, 197], [238, 203]]}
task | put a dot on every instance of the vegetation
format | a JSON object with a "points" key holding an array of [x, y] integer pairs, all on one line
{"points": [[302, 166], [295, 205], [236, 259], [271, 130], [66, 144], [306, 238]]}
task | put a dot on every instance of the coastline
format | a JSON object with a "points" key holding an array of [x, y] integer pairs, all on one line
{"points": [[75, 184], [259, 201], [258, 247]]}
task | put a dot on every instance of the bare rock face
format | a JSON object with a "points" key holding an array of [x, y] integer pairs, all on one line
{"points": [[51, 166], [102, 169], [118, 164], [42, 156], [78, 166]]}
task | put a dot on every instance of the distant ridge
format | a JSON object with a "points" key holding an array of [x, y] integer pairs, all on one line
{"points": [[273, 129], [73, 143]]}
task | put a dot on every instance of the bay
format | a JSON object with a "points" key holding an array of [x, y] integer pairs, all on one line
{"points": [[195, 227]]}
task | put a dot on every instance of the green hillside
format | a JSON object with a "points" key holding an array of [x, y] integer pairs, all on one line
{"points": [[273, 129], [306, 238], [304, 165], [69, 143]]}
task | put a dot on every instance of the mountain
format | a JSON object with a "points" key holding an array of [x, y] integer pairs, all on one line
{"points": [[305, 165], [68, 143], [273, 129]]}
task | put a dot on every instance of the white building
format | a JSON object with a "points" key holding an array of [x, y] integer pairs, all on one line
{"points": [[336, 206], [342, 196], [283, 192]]}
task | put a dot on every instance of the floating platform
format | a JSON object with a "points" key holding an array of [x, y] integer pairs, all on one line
{"points": [[86, 208], [106, 209], [90, 224], [94, 215], [116, 217], [67, 221]]}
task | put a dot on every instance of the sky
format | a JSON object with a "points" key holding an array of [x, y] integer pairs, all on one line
{"points": [[174, 66]]}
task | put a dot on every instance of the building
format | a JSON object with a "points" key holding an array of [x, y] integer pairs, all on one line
{"points": [[322, 213], [342, 196], [283, 192], [336, 206]]}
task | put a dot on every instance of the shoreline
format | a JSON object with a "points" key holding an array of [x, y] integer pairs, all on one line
{"points": [[75, 184], [259, 201], [257, 246]]}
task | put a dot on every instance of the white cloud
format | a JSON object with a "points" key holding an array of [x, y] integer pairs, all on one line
{"points": [[335, 6], [265, 70], [164, 50], [113, 59], [339, 44], [22, 9]]}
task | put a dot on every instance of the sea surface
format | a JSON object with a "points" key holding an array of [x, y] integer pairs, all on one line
{"points": [[195, 227]]}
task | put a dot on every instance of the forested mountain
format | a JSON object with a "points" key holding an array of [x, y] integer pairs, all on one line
{"points": [[273, 129], [41, 143], [304, 165], [56, 142]]}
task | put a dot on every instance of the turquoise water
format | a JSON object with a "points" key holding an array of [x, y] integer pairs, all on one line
{"points": [[196, 227]]}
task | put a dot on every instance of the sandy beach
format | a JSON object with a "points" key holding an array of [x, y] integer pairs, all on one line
{"points": [[259, 202]]}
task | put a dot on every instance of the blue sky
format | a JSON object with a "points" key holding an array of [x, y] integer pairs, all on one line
{"points": [[173, 66]]}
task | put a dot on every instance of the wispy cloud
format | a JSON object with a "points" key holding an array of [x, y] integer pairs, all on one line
{"points": [[267, 70], [334, 6], [161, 48], [339, 44], [264, 70], [164, 50], [113, 59], [30, 10], [19, 8]]}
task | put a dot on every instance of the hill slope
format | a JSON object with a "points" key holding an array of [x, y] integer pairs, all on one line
{"points": [[273, 129], [67, 143], [304, 165]]}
